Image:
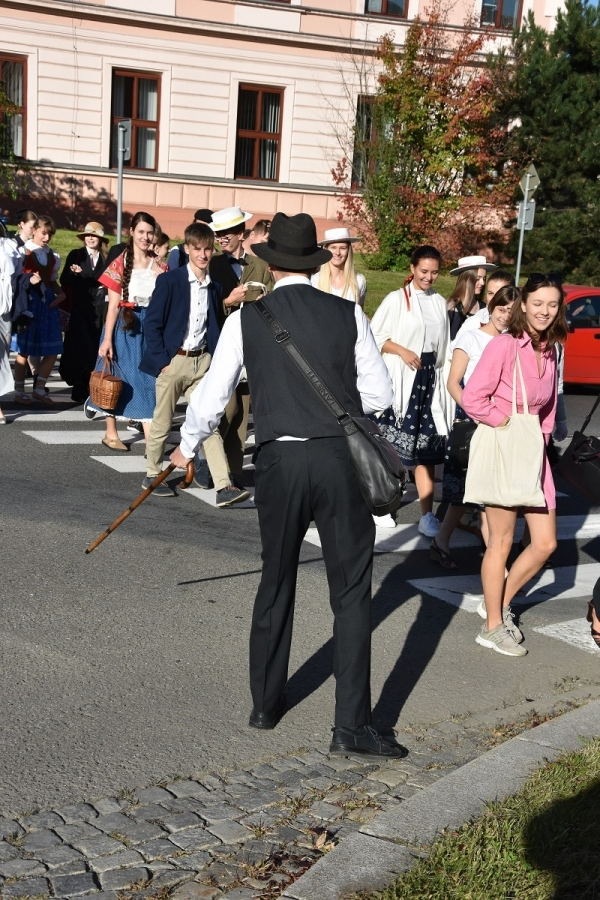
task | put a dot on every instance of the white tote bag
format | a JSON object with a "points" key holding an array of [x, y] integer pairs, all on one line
{"points": [[505, 463]]}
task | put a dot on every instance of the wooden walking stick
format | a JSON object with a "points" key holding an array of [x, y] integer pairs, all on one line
{"points": [[189, 475]]}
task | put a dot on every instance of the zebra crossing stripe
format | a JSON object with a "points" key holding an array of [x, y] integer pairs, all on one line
{"points": [[404, 538], [66, 437], [66, 415], [209, 497], [465, 592], [575, 632]]}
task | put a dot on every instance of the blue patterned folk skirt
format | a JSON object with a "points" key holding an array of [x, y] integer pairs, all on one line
{"points": [[44, 336], [138, 397], [415, 436]]}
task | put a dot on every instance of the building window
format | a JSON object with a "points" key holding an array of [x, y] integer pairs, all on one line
{"points": [[500, 13], [258, 133], [364, 136], [387, 7], [12, 124], [136, 96]]}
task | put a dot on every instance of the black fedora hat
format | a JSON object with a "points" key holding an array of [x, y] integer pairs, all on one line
{"points": [[292, 244]]}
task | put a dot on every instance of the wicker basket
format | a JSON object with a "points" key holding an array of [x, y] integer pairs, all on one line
{"points": [[105, 388]]}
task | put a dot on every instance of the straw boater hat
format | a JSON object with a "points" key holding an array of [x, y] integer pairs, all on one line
{"points": [[93, 228], [338, 236], [292, 244], [228, 218], [473, 262]]}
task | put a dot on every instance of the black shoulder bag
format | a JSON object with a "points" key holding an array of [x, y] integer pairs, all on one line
{"points": [[381, 475], [580, 463]]}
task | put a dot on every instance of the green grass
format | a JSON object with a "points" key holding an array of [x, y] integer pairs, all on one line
{"points": [[542, 843], [378, 283]]}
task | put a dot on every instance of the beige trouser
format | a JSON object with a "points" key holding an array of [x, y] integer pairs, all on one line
{"points": [[234, 427], [182, 377]]}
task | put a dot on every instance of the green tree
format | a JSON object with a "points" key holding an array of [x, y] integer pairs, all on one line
{"points": [[429, 147], [554, 100]]}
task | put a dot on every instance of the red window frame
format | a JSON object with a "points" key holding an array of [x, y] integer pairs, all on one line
{"points": [[257, 134], [137, 123], [497, 23], [6, 57], [384, 10]]}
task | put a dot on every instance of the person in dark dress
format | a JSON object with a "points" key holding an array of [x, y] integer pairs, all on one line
{"points": [[79, 278]]}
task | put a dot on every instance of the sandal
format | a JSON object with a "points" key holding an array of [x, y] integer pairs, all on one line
{"points": [[22, 398], [115, 444], [440, 556], [42, 398], [590, 618]]}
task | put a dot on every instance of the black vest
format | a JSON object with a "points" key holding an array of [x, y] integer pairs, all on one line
{"points": [[323, 327]]}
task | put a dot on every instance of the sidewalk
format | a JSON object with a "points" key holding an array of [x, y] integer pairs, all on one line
{"points": [[255, 833]]}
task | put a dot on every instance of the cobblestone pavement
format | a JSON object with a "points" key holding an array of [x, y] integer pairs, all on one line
{"points": [[239, 835]]}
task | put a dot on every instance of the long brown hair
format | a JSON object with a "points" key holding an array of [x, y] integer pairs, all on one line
{"points": [[556, 333], [129, 317], [462, 297]]}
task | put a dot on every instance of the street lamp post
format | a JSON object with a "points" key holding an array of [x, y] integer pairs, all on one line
{"points": [[123, 154], [529, 182]]}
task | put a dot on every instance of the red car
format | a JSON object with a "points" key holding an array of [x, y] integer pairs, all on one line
{"points": [[582, 350]]}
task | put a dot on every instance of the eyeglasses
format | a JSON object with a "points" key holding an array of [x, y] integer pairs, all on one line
{"points": [[554, 278]]}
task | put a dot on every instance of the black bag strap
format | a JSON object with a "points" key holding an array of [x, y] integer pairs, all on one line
{"points": [[589, 418], [283, 337]]}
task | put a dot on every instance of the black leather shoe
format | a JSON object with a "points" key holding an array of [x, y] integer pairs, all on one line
{"points": [[365, 742], [268, 720]]}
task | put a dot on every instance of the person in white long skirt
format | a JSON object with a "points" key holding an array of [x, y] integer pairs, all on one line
{"points": [[10, 262]]}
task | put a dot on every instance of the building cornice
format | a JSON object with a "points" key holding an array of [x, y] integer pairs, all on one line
{"points": [[90, 12], [139, 175]]}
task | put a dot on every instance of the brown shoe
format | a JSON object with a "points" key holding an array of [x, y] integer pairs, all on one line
{"points": [[115, 444]]}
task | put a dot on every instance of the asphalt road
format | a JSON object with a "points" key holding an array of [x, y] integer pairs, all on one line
{"points": [[129, 666]]}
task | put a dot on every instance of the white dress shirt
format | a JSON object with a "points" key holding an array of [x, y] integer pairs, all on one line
{"points": [[195, 335], [210, 398]]}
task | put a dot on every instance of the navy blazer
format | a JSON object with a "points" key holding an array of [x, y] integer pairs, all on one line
{"points": [[168, 315]]}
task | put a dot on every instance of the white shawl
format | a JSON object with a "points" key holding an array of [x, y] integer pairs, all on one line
{"points": [[394, 321], [10, 263]]}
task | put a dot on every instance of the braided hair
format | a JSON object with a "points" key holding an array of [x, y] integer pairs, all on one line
{"points": [[130, 319]]}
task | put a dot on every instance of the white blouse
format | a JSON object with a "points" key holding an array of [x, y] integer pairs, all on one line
{"points": [[361, 281], [433, 327], [42, 257], [473, 343]]}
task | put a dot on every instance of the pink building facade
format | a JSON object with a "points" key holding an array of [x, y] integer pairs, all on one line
{"points": [[232, 103]]}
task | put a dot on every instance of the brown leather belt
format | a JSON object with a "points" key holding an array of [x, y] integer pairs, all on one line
{"points": [[200, 352]]}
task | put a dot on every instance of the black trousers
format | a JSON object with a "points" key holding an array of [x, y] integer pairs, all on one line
{"points": [[296, 482]]}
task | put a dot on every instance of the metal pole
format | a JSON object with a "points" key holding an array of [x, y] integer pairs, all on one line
{"points": [[121, 155], [522, 234]]}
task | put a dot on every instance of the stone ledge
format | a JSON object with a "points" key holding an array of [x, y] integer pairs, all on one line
{"points": [[372, 858]]}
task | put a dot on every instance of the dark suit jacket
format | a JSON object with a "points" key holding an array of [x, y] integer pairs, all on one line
{"points": [[253, 269], [168, 315]]}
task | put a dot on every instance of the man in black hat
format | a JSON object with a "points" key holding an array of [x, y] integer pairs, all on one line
{"points": [[303, 472]]}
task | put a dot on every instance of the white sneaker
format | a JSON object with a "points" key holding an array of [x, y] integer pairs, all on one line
{"points": [[384, 521], [508, 618], [429, 525], [500, 640]]}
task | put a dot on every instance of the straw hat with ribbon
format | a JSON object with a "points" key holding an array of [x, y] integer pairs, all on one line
{"points": [[93, 229], [226, 219], [472, 262], [338, 236]]}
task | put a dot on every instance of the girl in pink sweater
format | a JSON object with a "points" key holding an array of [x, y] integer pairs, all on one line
{"points": [[536, 325]]}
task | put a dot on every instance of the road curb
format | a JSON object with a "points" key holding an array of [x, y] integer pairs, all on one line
{"points": [[372, 858]]}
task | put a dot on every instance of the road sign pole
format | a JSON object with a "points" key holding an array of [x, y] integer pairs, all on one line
{"points": [[522, 231], [121, 149]]}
